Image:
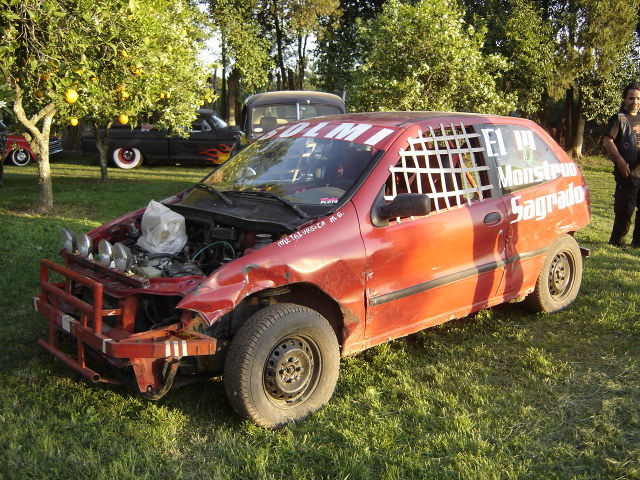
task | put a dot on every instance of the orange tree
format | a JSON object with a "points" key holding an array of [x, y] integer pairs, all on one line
{"points": [[98, 60]]}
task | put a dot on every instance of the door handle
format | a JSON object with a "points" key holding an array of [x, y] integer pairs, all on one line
{"points": [[492, 218]]}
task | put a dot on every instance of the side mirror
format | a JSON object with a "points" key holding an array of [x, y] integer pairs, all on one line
{"points": [[403, 205]]}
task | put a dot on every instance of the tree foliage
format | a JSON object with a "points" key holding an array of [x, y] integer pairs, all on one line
{"points": [[80, 58], [339, 51], [289, 24], [243, 46], [423, 56], [593, 41], [518, 31]]}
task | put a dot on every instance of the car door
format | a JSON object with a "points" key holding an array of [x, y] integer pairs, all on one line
{"points": [[206, 144], [426, 270], [537, 190]]}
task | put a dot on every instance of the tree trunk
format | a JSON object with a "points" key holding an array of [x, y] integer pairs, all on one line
{"points": [[567, 126], [543, 115], [45, 204], [302, 60], [279, 44], [102, 143], [232, 96], [223, 84], [577, 139], [40, 144]]}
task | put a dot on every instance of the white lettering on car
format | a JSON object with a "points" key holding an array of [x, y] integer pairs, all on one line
{"points": [[490, 142], [510, 177], [540, 207], [313, 132], [524, 140], [291, 131], [310, 229], [363, 133], [385, 132], [348, 131], [272, 133]]}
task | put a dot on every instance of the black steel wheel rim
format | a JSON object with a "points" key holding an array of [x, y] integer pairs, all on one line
{"points": [[291, 371], [561, 275]]}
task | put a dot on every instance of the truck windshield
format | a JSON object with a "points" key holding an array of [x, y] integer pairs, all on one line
{"points": [[301, 170], [268, 117]]}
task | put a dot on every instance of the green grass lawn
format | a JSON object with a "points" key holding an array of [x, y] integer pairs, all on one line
{"points": [[498, 395]]}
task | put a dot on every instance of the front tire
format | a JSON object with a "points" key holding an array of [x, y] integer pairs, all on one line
{"points": [[19, 157], [282, 365], [127, 158], [560, 278]]}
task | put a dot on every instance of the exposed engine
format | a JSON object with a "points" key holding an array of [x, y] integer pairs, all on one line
{"points": [[208, 246]]}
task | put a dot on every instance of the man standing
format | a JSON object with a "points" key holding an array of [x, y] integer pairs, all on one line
{"points": [[622, 142]]}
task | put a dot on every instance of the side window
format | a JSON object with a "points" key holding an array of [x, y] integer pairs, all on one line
{"points": [[446, 163], [197, 125], [522, 157]]}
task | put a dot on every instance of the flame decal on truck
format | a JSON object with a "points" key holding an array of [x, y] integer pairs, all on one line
{"points": [[217, 155]]}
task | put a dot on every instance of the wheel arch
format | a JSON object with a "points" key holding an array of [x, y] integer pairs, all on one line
{"points": [[303, 294]]}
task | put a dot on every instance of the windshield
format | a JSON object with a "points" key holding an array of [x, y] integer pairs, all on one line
{"points": [[217, 121], [301, 170], [268, 117]]}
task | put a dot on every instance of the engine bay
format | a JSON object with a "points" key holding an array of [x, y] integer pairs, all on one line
{"points": [[208, 246]]}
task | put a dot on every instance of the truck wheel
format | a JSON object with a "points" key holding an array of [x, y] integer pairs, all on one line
{"points": [[19, 157], [127, 158], [282, 365], [560, 278]]}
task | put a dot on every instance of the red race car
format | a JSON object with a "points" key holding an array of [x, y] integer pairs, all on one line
{"points": [[324, 237]]}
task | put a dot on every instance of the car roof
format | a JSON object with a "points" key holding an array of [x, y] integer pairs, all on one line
{"points": [[399, 119], [293, 96], [207, 111]]}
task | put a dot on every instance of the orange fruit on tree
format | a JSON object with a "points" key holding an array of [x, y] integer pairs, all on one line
{"points": [[71, 96], [123, 119], [39, 94], [73, 121]]}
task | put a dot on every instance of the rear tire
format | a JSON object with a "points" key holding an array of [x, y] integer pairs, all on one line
{"points": [[19, 157], [127, 158], [282, 365], [560, 278]]}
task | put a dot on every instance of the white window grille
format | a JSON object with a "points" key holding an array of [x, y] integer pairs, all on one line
{"points": [[447, 164]]}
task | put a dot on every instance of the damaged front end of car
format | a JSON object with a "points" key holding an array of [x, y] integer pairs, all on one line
{"points": [[114, 302]]}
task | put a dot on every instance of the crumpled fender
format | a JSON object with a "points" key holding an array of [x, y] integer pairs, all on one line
{"points": [[328, 254], [222, 292]]}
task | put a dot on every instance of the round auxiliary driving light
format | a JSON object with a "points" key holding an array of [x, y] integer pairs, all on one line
{"points": [[121, 257], [105, 252], [85, 245], [68, 240]]}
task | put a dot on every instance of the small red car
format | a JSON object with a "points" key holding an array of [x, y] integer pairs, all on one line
{"points": [[324, 237]]}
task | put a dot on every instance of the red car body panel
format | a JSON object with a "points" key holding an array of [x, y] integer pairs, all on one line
{"points": [[375, 282]]}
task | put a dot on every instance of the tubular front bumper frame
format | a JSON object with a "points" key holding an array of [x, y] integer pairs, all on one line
{"points": [[115, 345]]}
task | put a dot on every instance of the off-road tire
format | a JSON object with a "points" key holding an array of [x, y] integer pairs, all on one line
{"points": [[282, 365]]}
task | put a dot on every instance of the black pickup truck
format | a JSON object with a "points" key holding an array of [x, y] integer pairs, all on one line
{"points": [[211, 140]]}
